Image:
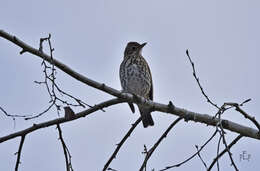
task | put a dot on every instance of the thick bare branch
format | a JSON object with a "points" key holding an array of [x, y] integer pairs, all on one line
{"points": [[63, 67], [124, 97], [203, 118]]}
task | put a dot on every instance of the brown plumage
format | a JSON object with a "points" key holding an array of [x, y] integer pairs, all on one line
{"points": [[136, 78]]}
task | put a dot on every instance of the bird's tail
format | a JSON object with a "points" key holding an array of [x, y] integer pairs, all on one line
{"points": [[146, 116]]}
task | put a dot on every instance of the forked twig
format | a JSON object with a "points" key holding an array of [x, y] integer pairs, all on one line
{"points": [[224, 151], [246, 115], [204, 163], [188, 159]]}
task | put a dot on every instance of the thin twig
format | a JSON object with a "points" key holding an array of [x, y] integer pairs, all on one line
{"points": [[188, 159], [219, 140], [196, 146], [51, 85], [19, 153], [150, 152], [146, 151], [159, 107], [222, 134], [111, 169], [41, 113], [247, 116], [197, 79], [12, 115], [226, 147], [113, 156], [224, 151], [65, 150], [62, 120], [194, 116]]}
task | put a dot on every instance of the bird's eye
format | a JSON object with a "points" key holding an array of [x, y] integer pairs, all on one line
{"points": [[133, 48]]}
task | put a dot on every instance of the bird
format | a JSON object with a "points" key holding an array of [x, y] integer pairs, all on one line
{"points": [[136, 78]]}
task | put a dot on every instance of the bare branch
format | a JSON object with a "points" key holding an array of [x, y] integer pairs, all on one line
{"points": [[113, 156], [19, 152], [197, 79], [111, 169], [247, 116], [41, 113], [60, 65], [201, 157], [49, 78], [203, 118], [221, 110], [222, 136], [123, 97], [224, 151], [150, 152], [219, 140], [188, 159], [12, 115], [65, 150], [226, 147], [61, 120]]}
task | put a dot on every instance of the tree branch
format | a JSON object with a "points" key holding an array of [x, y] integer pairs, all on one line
{"points": [[227, 148], [150, 152], [191, 157], [19, 152], [60, 65], [124, 97], [247, 116], [204, 163], [202, 118], [61, 120], [65, 150], [198, 81], [113, 156], [224, 151]]}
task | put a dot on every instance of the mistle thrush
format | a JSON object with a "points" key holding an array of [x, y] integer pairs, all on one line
{"points": [[136, 78]]}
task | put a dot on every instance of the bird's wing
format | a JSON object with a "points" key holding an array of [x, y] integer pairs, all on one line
{"points": [[151, 90]]}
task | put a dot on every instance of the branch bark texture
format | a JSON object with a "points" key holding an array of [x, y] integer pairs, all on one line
{"points": [[121, 97]]}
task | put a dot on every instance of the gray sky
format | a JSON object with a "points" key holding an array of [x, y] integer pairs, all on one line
{"points": [[90, 37]]}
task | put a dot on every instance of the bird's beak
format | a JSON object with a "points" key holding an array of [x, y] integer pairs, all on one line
{"points": [[142, 45]]}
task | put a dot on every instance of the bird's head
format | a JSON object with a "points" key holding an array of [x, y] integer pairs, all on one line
{"points": [[133, 48]]}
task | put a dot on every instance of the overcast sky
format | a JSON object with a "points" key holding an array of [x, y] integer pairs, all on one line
{"points": [[90, 36]]}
